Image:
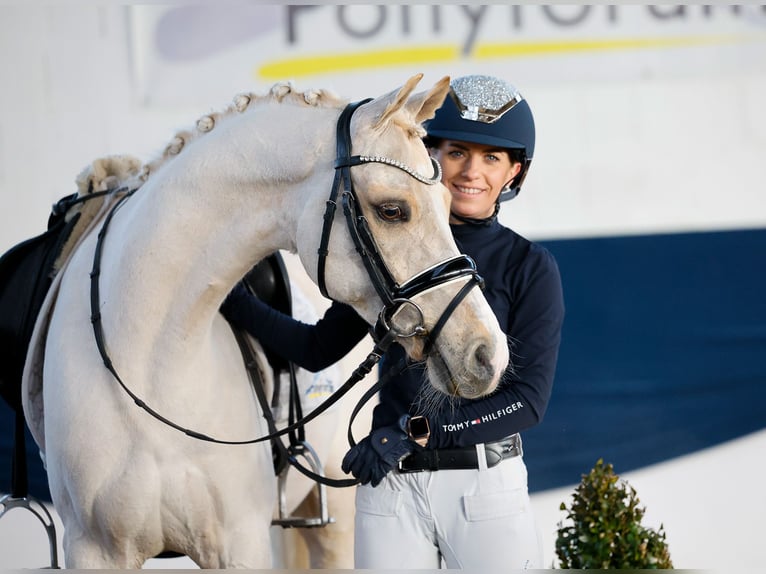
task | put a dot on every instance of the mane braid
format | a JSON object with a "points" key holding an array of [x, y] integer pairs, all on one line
{"points": [[282, 92]]}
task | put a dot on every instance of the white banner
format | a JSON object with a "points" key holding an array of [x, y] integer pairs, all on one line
{"points": [[204, 53]]}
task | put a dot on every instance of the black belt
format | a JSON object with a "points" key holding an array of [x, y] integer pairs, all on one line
{"points": [[461, 458]]}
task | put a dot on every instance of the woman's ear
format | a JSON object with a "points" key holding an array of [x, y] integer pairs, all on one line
{"points": [[515, 169]]}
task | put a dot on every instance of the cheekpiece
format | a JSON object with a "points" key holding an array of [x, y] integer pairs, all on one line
{"points": [[483, 98]]}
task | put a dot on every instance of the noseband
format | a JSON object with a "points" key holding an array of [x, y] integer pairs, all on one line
{"points": [[394, 295]]}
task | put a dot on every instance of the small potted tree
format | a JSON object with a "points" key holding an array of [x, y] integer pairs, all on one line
{"points": [[603, 527]]}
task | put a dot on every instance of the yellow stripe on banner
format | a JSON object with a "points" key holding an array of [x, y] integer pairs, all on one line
{"points": [[314, 65], [487, 51], [307, 66]]}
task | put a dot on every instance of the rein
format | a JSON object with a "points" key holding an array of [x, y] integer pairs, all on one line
{"points": [[359, 373], [98, 332]]}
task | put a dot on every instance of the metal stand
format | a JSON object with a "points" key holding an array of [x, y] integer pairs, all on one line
{"points": [[285, 521]]}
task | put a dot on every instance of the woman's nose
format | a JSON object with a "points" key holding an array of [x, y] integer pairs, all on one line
{"points": [[470, 167]]}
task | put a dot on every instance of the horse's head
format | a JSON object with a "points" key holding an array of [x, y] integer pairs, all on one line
{"points": [[394, 258]]}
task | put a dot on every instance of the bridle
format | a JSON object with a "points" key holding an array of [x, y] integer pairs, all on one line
{"points": [[394, 295]]}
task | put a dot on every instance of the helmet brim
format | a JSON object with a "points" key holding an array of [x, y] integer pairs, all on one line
{"points": [[478, 138]]}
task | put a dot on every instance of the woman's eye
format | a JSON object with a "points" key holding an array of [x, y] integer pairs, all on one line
{"points": [[390, 212]]}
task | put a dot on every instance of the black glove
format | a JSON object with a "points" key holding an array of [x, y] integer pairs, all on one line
{"points": [[376, 454]]}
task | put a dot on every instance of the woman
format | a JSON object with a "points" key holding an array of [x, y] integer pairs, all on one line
{"points": [[444, 482]]}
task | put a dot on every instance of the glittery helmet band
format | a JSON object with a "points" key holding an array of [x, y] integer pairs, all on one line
{"points": [[485, 110], [483, 98]]}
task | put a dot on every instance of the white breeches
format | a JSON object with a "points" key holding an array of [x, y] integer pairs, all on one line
{"points": [[454, 518]]}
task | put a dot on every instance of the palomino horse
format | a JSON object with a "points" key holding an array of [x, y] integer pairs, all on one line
{"points": [[135, 329]]}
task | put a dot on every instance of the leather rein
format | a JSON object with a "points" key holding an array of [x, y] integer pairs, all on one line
{"points": [[393, 295]]}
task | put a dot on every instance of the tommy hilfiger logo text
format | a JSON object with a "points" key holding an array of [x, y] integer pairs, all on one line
{"points": [[493, 416]]}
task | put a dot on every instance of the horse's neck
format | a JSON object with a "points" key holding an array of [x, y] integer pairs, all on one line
{"points": [[192, 231]]}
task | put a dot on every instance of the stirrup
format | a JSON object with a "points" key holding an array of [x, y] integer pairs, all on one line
{"points": [[9, 502], [324, 518]]}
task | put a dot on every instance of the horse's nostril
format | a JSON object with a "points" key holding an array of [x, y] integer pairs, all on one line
{"points": [[483, 362]]}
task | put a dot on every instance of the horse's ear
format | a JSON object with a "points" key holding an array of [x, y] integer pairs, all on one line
{"points": [[399, 100], [424, 105]]}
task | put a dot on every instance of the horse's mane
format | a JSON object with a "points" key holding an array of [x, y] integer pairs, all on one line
{"points": [[125, 170]]}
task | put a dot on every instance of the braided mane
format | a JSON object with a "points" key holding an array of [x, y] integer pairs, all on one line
{"points": [[125, 170]]}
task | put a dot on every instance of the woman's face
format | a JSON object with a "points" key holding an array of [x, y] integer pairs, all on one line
{"points": [[474, 174]]}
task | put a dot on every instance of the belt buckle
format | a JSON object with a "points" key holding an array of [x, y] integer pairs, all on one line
{"points": [[511, 447], [428, 458], [495, 449], [503, 449]]}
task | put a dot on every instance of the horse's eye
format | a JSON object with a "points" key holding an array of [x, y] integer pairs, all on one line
{"points": [[390, 212]]}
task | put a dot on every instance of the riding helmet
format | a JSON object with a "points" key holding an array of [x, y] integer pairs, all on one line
{"points": [[487, 110]]}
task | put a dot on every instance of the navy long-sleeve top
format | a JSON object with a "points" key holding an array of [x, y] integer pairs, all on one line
{"points": [[523, 288]]}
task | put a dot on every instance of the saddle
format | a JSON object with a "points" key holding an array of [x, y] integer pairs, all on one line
{"points": [[26, 274]]}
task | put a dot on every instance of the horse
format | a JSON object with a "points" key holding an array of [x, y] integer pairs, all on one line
{"points": [[134, 387]]}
